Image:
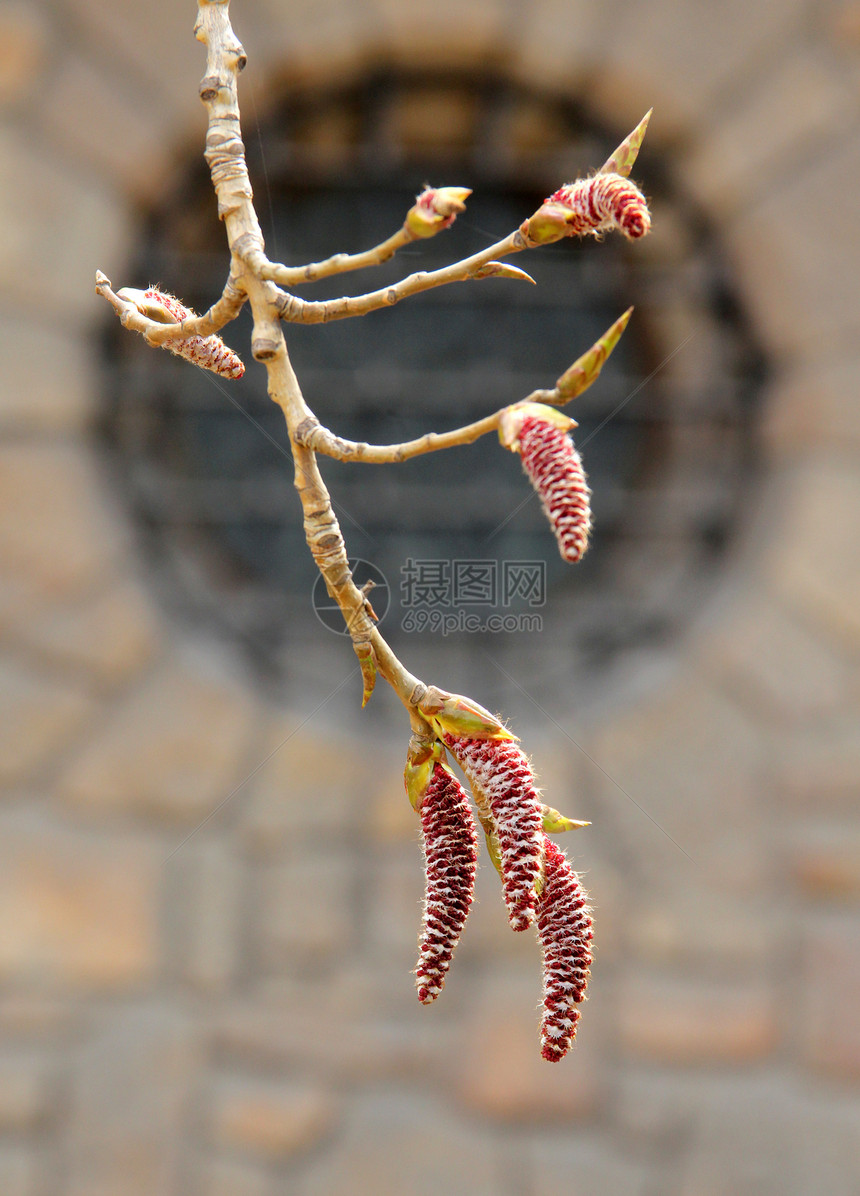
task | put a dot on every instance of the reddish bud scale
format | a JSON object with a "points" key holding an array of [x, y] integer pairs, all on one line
{"points": [[501, 774], [450, 860], [565, 931], [604, 202], [555, 471], [209, 352]]}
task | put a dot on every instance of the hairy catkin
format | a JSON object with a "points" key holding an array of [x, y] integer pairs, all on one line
{"points": [[555, 470], [501, 774], [565, 931], [604, 202], [209, 352], [450, 860]]}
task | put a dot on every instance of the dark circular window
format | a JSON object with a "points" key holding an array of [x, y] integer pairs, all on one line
{"points": [[666, 433]]}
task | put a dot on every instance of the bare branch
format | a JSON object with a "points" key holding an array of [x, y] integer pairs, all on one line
{"points": [[338, 263], [479, 265], [129, 306]]}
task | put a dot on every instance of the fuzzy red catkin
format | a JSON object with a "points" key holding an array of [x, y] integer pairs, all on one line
{"points": [[555, 470], [565, 931], [209, 352], [501, 773], [603, 202], [450, 861]]}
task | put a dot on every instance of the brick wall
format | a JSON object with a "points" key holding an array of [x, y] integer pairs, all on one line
{"points": [[232, 1013]]}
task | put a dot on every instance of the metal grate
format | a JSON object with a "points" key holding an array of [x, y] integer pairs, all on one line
{"points": [[669, 466]]}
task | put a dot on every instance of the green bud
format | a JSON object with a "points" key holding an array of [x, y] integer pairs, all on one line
{"points": [[554, 823], [621, 162], [586, 369], [503, 270], [549, 223], [421, 759], [367, 661], [453, 714]]}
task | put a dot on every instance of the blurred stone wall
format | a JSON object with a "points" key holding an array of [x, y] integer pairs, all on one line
{"points": [[233, 1015]]}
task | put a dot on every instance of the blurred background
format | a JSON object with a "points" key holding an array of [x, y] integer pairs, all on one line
{"points": [[210, 877]]}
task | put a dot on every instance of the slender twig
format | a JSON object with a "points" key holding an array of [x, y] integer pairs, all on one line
{"points": [[338, 263], [479, 265], [156, 332]]}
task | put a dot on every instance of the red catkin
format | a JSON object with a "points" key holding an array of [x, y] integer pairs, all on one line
{"points": [[555, 470], [565, 931], [501, 774], [209, 352], [604, 202], [450, 860]]}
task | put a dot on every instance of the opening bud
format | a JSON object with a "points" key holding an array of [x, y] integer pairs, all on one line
{"points": [[436, 208]]}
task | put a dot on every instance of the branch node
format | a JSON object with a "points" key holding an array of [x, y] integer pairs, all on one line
{"points": [[264, 348], [210, 85]]}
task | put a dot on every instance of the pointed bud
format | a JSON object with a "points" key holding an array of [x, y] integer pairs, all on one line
{"points": [[450, 861], [209, 352], [502, 781], [602, 203], [503, 270], [586, 369], [565, 931], [554, 823], [555, 470], [621, 162], [435, 209], [421, 759], [453, 714], [367, 661]]}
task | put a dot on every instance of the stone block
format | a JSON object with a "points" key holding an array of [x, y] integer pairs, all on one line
{"points": [[306, 908], [309, 784], [394, 1141], [710, 930], [154, 52], [769, 1138], [813, 404], [59, 224], [19, 1173], [682, 61], [449, 35], [76, 913], [108, 638], [212, 884], [39, 717], [801, 289], [108, 128], [556, 43], [695, 1022], [773, 662], [270, 1119], [57, 535], [823, 580], [25, 42], [32, 400], [586, 1165], [819, 766], [782, 117], [501, 1073], [823, 859], [312, 41], [129, 1102], [226, 1177], [175, 749], [678, 774], [25, 1092], [830, 990]]}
